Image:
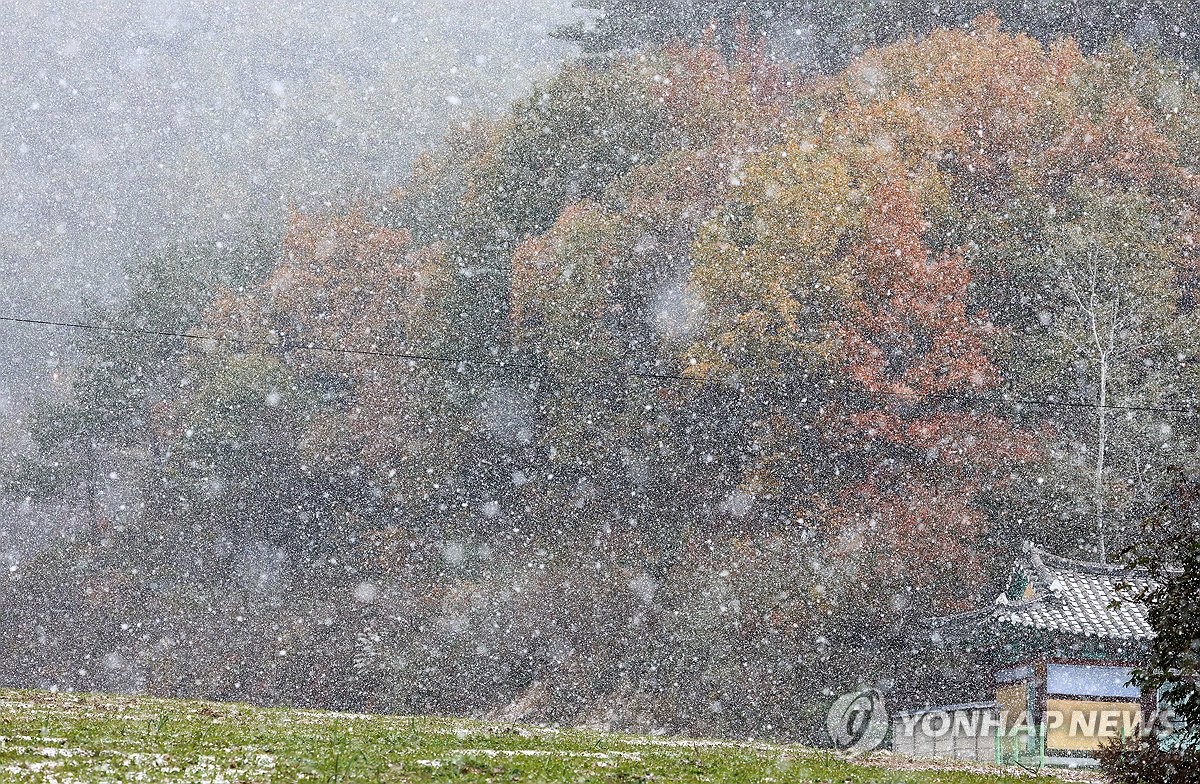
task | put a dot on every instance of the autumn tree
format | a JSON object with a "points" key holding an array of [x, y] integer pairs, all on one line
{"points": [[913, 428], [1028, 143], [825, 34], [105, 420], [911, 296]]}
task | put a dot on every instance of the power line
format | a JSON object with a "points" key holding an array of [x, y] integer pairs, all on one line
{"points": [[286, 346], [1075, 404], [233, 341]]}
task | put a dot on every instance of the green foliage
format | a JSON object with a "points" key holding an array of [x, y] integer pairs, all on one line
{"points": [[564, 144], [1139, 760], [123, 375], [573, 136], [1170, 550]]}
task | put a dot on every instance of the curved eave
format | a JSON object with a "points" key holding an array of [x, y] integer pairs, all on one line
{"points": [[1054, 629]]}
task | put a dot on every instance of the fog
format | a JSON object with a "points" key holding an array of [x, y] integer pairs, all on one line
{"points": [[134, 124]]}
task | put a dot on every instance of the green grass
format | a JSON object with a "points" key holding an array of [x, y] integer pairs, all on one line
{"points": [[48, 737]]}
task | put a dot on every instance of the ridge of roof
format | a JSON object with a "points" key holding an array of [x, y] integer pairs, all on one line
{"points": [[1043, 561], [1080, 597], [1021, 604], [1072, 597]]}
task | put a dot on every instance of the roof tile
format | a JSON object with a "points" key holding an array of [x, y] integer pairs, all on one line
{"points": [[1078, 597]]}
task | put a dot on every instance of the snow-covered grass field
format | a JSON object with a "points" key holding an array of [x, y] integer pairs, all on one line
{"points": [[51, 737]]}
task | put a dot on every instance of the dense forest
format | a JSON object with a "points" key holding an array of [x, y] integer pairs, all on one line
{"points": [[674, 399]]}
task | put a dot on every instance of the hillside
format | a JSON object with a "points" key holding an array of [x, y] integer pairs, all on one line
{"points": [[48, 737]]}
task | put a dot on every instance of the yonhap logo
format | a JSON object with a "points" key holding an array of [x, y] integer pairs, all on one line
{"points": [[858, 721]]}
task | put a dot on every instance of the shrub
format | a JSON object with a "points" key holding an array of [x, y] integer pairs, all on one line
{"points": [[1143, 760]]}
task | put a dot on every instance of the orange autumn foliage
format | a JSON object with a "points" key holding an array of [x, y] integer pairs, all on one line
{"points": [[910, 335], [914, 354]]}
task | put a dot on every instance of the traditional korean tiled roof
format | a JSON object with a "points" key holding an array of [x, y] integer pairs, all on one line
{"points": [[1075, 597], [1062, 596]]}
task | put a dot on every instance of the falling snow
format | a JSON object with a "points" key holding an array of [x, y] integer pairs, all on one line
{"points": [[663, 369]]}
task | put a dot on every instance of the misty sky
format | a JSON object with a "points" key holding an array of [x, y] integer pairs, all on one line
{"points": [[129, 124]]}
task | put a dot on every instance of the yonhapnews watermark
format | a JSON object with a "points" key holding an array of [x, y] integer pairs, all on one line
{"points": [[858, 722], [1103, 723]]}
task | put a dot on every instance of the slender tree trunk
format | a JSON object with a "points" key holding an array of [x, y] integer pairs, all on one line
{"points": [[1101, 445]]}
